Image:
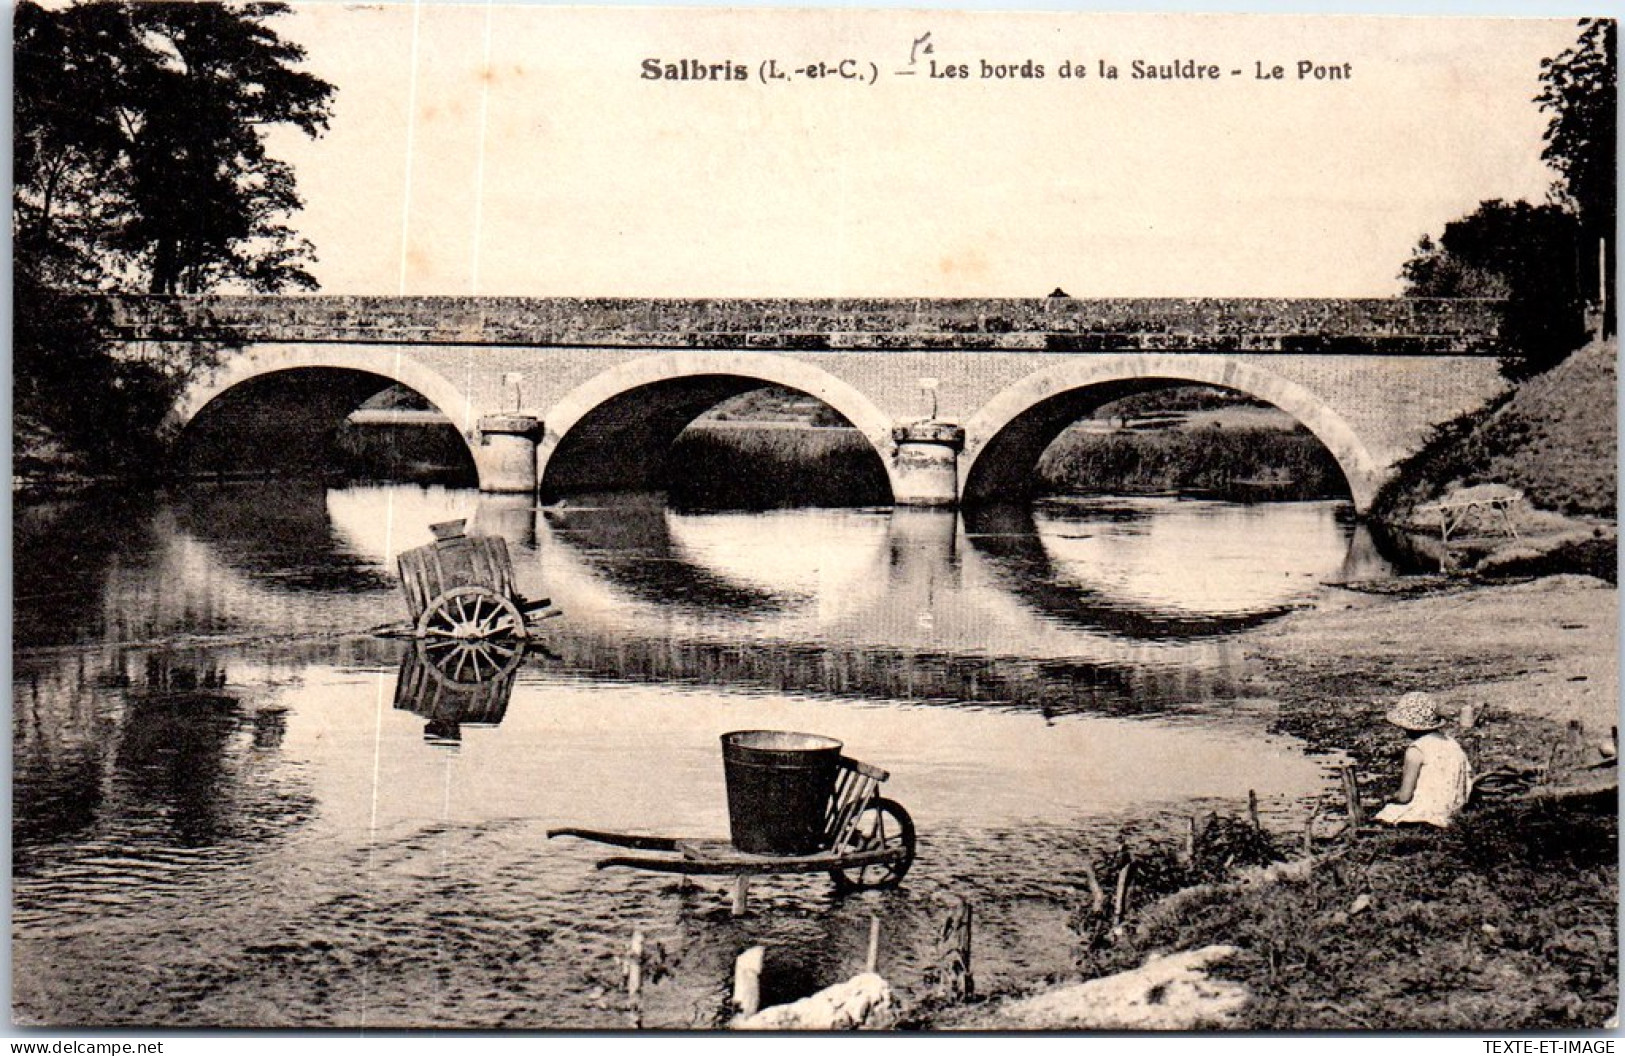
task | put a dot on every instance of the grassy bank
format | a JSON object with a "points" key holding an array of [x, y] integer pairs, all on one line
{"points": [[1505, 922], [1554, 437]]}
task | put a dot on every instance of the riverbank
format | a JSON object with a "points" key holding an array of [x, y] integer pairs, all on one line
{"points": [[1507, 921]]}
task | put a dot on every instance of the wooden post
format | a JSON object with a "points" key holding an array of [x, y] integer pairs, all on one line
{"points": [[741, 894], [1602, 287], [1121, 902], [1309, 830], [953, 949], [634, 980], [1444, 540], [1097, 896], [748, 981], [872, 961], [1351, 799], [1190, 840], [1252, 810]]}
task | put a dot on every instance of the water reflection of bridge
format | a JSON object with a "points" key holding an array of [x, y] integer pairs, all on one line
{"points": [[1063, 610]]}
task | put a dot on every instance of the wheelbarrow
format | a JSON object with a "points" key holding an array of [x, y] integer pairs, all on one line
{"points": [[460, 590], [862, 840]]}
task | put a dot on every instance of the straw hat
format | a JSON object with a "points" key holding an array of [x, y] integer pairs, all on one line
{"points": [[1415, 712]]}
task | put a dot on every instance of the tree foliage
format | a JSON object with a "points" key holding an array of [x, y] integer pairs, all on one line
{"points": [[1543, 261], [140, 157], [139, 163], [1527, 255], [1581, 92]]}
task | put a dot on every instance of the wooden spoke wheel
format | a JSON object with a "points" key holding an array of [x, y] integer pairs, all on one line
{"points": [[461, 662], [883, 826], [470, 614]]}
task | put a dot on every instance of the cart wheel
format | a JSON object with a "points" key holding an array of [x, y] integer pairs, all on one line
{"points": [[470, 614], [462, 663], [883, 825]]}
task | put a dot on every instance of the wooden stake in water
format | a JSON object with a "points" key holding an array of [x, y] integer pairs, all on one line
{"points": [[1252, 811], [1097, 895], [1120, 903], [741, 895], [872, 961], [634, 980], [1351, 798], [953, 953], [748, 981]]}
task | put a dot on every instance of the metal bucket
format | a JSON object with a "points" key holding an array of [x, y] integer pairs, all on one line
{"points": [[779, 784]]}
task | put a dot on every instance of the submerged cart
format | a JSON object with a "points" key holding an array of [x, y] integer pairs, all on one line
{"points": [[795, 805], [460, 589]]}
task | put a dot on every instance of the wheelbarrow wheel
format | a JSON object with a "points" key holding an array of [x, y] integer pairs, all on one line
{"points": [[462, 663], [470, 614], [882, 826]]}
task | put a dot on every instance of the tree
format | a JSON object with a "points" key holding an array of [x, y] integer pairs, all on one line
{"points": [[141, 144], [1525, 254], [67, 144], [139, 162], [1580, 91]]}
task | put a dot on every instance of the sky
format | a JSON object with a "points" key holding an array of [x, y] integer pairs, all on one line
{"points": [[520, 150]]}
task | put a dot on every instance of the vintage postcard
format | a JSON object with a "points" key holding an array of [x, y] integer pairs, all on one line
{"points": [[606, 519]]}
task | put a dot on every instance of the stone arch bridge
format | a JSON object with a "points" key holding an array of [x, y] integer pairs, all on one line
{"points": [[958, 397]]}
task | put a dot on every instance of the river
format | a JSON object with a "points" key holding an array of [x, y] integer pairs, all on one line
{"points": [[236, 807]]}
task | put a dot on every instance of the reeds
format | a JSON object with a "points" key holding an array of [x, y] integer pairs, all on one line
{"points": [[770, 466], [1235, 463]]}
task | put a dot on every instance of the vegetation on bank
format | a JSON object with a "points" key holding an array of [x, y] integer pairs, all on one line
{"points": [[156, 178], [1244, 463], [772, 467], [790, 465], [1505, 920], [1547, 262], [1554, 437]]}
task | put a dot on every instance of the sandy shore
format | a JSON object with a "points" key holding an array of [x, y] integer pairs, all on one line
{"points": [[1537, 659]]}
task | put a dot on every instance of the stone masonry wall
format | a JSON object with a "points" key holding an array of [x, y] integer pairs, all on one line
{"points": [[1399, 326]]}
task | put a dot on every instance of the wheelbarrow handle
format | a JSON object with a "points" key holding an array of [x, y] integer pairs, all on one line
{"points": [[619, 839]]}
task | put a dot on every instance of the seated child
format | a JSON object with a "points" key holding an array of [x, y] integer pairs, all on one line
{"points": [[1437, 777]]}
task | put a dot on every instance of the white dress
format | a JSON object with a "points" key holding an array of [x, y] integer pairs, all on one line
{"points": [[1442, 786]]}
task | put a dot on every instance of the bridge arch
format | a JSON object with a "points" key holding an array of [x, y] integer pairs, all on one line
{"points": [[1005, 438], [630, 414], [382, 365]]}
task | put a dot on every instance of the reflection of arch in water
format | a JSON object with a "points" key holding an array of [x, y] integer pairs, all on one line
{"points": [[1004, 440], [613, 432], [1008, 536], [916, 600], [279, 409], [630, 544], [282, 531], [222, 563]]}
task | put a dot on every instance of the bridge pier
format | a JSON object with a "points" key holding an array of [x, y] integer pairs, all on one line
{"points": [[926, 466], [507, 455]]}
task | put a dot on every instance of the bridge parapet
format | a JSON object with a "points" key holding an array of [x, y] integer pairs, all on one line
{"points": [[1386, 326]]}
